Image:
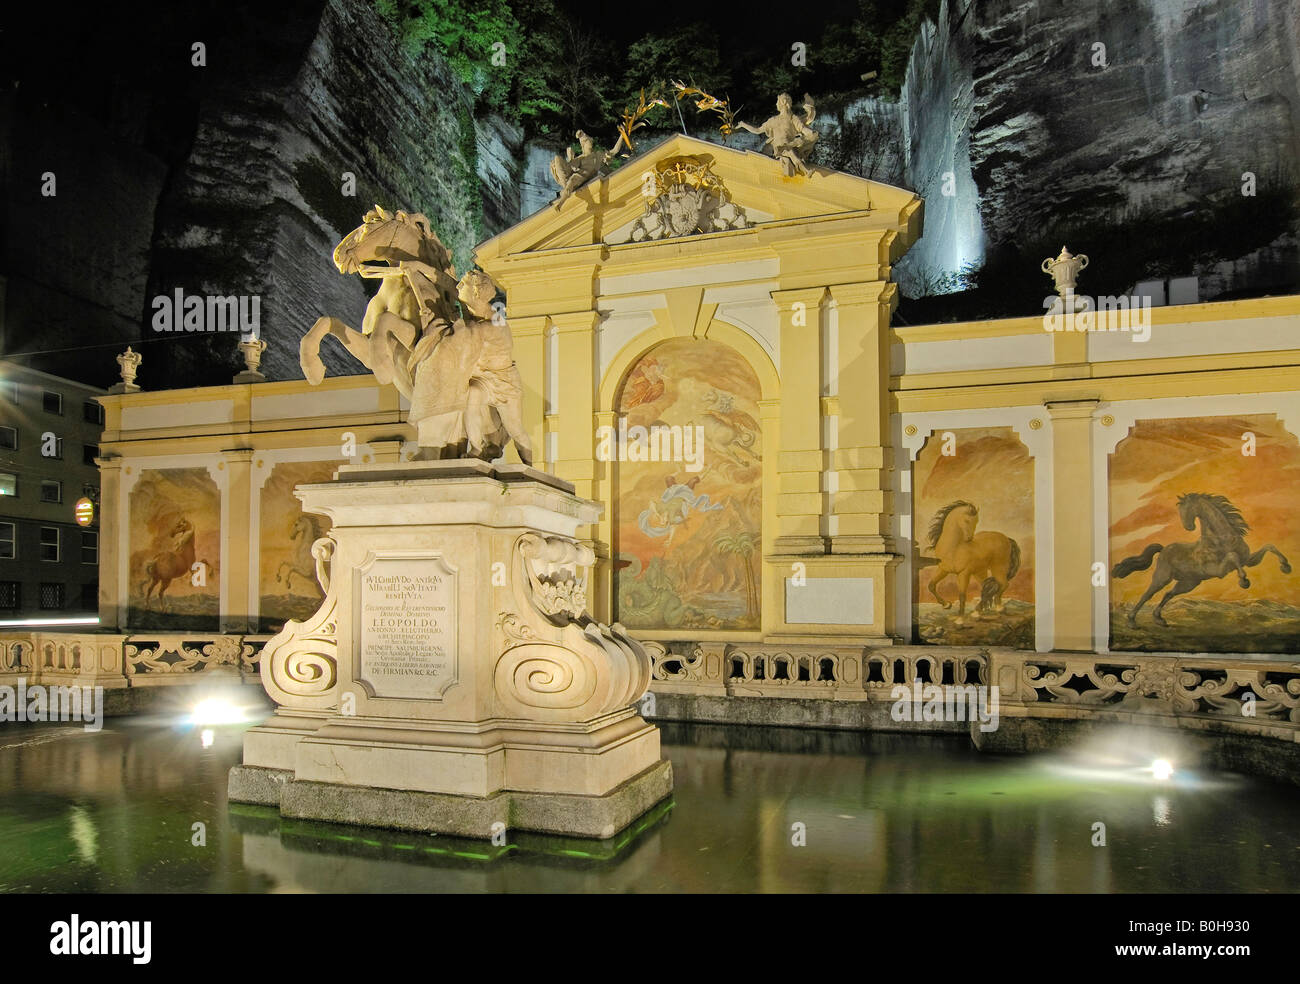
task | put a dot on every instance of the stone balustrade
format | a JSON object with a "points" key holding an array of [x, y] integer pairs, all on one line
{"points": [[1247, 695], [118, 660]]}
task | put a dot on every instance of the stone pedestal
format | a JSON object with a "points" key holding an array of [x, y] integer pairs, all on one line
{"points": [[451, 680]]}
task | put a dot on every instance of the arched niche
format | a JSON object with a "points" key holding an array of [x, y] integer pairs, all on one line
{"points": [[685, 447], [973, 515]]}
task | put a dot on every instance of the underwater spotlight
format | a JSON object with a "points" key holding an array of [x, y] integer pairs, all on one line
{"points": [[1162, 769], [213, 710]]}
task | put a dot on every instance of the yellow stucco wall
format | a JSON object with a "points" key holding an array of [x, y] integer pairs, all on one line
{"points": [[805, 298]]}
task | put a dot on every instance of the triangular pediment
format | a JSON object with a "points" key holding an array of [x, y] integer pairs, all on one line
{"points": [[604, 210]]}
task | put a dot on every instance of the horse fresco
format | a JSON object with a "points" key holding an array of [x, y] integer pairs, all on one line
{"points": [[972, 515], [304, 532], [168, 565], [1221, 549], [962, 553]]}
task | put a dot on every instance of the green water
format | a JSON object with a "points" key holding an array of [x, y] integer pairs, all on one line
{"points": [[115, 812]]}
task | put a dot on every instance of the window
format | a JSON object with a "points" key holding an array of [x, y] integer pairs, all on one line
{"points": [[89, 547], [8, 439], [10, 390], [58, 449], [11, 596], [51, 491], [89, 453], [90, 597], [51, 597], [52, 402], [92, 412], [49, 543], [8, 541], [8, 483]]}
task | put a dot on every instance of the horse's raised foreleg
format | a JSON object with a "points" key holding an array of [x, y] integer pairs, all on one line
{"points": [[939, 575], [1232, 562], [1254, 559], [1180, 587], [357, 344], [278, 570], [392, 341]]}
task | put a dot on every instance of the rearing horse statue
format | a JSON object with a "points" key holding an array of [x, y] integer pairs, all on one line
{"points": [[418, 290], [1221, 548], [456, 370]]}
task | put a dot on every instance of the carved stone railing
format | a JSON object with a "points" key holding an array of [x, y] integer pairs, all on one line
{"points": [[120, 660], [807, 672], [1245, 694], [151, 658]]}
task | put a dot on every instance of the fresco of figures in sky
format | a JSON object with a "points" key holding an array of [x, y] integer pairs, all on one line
{"points": [[287, 570], [1203, 536], [688, 532], [973, 539], [175, 524]]}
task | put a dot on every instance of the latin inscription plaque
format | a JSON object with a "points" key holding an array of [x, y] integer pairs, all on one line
{"points": [[407, 618]]}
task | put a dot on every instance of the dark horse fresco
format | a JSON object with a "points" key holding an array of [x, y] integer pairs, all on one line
{"points": [[1221, 549]]}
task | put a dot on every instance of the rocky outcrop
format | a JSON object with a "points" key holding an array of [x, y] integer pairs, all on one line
{"points": [[1097, 119], [236, 177], [279, 173]]}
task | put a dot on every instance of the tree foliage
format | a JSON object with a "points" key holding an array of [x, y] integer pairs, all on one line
{"points": [[561, 71]]}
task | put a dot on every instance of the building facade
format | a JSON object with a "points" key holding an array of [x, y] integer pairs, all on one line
{"points": [[49, 440], [794, 490]]}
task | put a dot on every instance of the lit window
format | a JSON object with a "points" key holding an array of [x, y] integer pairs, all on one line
{"points": [[89, 547], [8, 541], [10, 390], [50, 543], [51, 491], [8, 483]]}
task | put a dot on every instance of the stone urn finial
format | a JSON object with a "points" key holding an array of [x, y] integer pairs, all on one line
{"points": [[1065, 270], [129, 361], [252, 348]]}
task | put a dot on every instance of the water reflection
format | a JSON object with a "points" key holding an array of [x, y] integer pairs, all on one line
{"points": [[755, 810]]}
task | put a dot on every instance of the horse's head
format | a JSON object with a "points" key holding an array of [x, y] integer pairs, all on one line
{"points": [[968, 518], [182, 526], [389, 237], [1188, 507]]}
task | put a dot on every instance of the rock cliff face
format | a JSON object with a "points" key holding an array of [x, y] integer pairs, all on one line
{"points": [[1095, 118], [278, 174], [239, 186]]}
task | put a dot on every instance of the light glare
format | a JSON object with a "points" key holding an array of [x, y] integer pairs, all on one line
{"points": [[216, 711]]}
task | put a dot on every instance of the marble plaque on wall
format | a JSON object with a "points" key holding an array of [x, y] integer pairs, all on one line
{"points": [[406, 626], [830, 601]]}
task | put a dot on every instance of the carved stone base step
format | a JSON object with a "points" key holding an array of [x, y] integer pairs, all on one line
{"points": [[598, 817]]}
